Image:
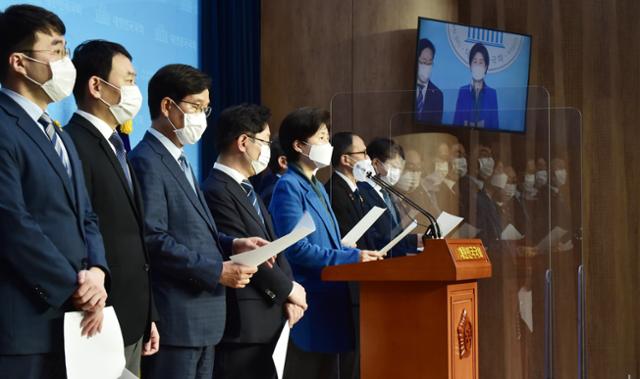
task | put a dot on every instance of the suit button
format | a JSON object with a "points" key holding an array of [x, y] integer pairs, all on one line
{"points": [[146, 267], [270, 294]]}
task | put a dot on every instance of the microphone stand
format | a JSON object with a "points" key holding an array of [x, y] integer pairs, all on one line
{"points": [[433, 231]]}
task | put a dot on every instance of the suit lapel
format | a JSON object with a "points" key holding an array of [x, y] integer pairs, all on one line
{"points": [[241, 196], [316, 204]]}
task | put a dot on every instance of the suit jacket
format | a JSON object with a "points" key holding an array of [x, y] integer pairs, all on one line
{"points": [[48, 232], [121, 225], [327, 325], [185, 249], [431, 111], [267, 185], [255, 314], [386, 229], [348, 207]]}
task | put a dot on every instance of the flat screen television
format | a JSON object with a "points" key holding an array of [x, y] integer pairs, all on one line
{"points": [[473, 77]]}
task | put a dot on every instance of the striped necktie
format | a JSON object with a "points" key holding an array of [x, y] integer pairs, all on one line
{"points": [[253, 199], [50, 130], [186, 168], [121, 154]]}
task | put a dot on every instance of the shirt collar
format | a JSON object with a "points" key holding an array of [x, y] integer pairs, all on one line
{"points": [[351, 184], [232, 172], [27, 105], [98, 123], [174, 150]]}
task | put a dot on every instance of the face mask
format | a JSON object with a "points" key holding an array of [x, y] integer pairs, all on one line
{"points": [[129, 105], [541, 178], [509, 191], [361, 169], [424, 72], [409, 181], [486, 166], [459, 166], [63, 77], [561, 177], [393, 175], [194, 125], [499, 180], [262, 162], [477, 72], [320, 154], [442, 168], [529, 180]]}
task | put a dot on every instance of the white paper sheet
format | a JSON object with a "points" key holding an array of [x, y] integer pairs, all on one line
{"points": [[280, 352], [97, 357], [362, 226], [467, 230], [552, 239], [399, 237], [510, 233], [126, 374], [260, 255], [447, 223], [525, 303]]}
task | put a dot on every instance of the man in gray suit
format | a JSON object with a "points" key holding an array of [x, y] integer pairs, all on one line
{"points": [[185, 247]]}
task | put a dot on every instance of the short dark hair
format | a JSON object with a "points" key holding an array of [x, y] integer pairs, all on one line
{"points": [[175, 81], [384, 149], [249, 119], [479, 48], [425, 43], [18, 27], [342, 143], [300, 125], [94, 58], [276, 152]]}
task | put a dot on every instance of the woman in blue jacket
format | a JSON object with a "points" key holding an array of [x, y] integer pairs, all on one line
{"points": [[477, 103], [322, 342]]}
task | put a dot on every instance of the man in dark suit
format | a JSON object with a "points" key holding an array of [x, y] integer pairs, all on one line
{"points": [[429, 99], [107, 96], [255, 314], [51, 252], [186, 249]]}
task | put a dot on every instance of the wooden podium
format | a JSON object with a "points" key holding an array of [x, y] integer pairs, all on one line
{"points": [[418, 314]]}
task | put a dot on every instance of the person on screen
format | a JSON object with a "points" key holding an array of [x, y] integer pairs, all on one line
{"points": [[322, 343], [477, 104], [428, 96]]}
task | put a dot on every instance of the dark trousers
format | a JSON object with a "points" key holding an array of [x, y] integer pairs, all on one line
{"points": [[244, 361], [301, 364], [173, 362], [33, 366]]}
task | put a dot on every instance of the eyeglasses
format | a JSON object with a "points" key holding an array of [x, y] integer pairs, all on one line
{"points": [[59, 53], [261, 140], [357, 152], [198, 108]]}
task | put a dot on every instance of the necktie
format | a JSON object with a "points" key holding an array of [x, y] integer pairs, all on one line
{"points": [[420, 101], [390, 206], [50, 130], [357, 200], [184, 164], [253, 199], [121, 154]]}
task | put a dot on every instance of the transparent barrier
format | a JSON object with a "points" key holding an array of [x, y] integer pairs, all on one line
{"points": [[520, 193]]}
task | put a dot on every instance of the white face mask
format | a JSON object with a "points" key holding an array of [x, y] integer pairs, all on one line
{"points": [[361, 169], [424, 72], [509, 191], [260, 164], [529, 181], [442, 168], [459, 166], [63, 78], [194, 125], [320, 155], [478, 72], [409, 181], [486, 166], [129, 105], [541, 178], [561, 177], [499, 180], [393, 175]]}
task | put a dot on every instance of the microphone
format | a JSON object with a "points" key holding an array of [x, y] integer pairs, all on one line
{"points": [[433, 231]]}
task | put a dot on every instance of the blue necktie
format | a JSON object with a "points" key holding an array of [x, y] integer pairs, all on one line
{"points": [[253, 199], [390, 206], [420, 101], [121, 154], [50, 130], [184, 164]]}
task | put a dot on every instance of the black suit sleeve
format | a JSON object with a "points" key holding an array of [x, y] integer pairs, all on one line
{"points": [[273, 283]]}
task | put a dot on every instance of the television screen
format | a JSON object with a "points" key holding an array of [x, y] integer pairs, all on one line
{"points": [[471, 77]]}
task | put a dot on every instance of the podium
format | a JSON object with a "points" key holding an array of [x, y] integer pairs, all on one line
{"points": [[419, 314]]}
